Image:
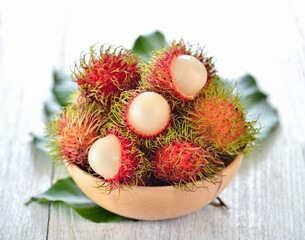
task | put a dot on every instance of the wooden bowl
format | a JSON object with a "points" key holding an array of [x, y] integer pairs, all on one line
{"points": [[154, 203]]}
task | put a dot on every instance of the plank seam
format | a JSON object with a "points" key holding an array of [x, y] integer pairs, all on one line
{"points": [[49, 209]]}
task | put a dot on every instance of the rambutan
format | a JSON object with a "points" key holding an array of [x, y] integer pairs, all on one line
{"points": [[145, 115], [117, 161], [72, 133], [178, 72], [148, 114], [220, 120], [104, 75], [181, 162]]}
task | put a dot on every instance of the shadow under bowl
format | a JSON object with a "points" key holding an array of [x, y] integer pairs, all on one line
{"points": [[154, 203]]}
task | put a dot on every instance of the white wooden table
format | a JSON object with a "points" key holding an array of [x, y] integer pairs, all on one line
{"points": [[265, 38]]}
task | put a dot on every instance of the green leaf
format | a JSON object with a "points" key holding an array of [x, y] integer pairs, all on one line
{"points": [[63, 86], [145, 44], [62, 89], [257, 106], [66, 191]]}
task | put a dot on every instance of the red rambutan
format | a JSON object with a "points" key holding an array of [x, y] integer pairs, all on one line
{"points": [[181, 162], [117, 161], [102, 76], [72, 133], [178, 72]]}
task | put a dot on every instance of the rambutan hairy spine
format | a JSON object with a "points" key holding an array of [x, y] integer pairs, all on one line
{"points": [[156, 75], [133, 166], [104, 75], [72, 132], [182, 164], [118, 117], [220, 120]]}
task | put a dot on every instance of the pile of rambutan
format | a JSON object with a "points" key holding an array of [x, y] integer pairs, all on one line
{"points": [[170, 121]]}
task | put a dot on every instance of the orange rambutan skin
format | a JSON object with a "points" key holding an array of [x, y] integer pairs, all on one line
{"points": [[107, 74], [179, 162], [217, 121], [159, 75]]}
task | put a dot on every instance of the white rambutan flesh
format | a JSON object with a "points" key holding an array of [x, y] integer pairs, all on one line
{"points": [[148, 114], [189, 75], [105, 156]]}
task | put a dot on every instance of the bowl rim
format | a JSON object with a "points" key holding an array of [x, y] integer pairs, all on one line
{"points": [[125, 187]]}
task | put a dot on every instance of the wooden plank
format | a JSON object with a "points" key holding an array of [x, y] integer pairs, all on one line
{"points": [[26, 32], [23, 172]]}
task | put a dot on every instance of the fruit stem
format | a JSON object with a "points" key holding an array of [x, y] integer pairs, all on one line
{"points": [[220, 203]]}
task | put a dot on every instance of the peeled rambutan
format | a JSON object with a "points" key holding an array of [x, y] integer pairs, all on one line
{"points": [[148, 114], [219, 119], [116, 161], [178, 72], [181, 162], [72, 133], [104, 75], [144, 115]]}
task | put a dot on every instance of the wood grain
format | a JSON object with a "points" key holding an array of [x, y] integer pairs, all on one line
{"points": [[23, 172], [266, 39]]}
